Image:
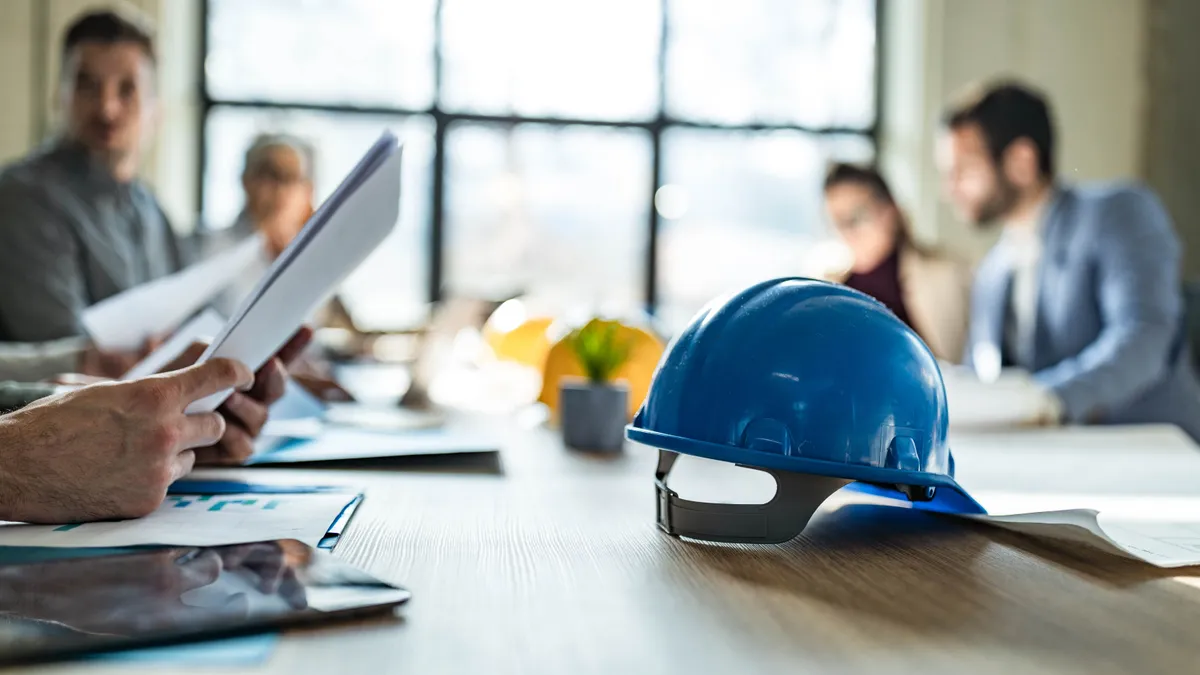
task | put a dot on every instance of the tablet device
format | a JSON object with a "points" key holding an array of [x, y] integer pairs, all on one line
{"points": [[68, 607]]}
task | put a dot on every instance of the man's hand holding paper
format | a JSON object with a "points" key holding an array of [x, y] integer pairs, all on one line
{"points": [[245, 412], [346, 229]]}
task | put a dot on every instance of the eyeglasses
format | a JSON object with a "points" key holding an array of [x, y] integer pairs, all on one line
{"points": [[860, 215], [274, 175]]}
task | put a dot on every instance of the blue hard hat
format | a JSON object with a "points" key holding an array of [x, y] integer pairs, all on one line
{"points": [[815, 383]]}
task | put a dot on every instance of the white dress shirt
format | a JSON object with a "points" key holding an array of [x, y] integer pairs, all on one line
{"points": [[1023, 244], [1024, 248]]}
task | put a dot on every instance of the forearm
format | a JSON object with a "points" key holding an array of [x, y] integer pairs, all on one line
{"points": [[1118, 367], [1135, 257], [32, 362]]}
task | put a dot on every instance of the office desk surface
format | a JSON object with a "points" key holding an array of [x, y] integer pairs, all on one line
{"points": [[550, 562]]}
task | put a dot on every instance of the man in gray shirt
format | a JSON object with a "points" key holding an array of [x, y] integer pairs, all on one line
{"points": [[76, 224]]}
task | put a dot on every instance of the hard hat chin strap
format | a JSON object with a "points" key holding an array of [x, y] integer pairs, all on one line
{"points": [[797, 497]]}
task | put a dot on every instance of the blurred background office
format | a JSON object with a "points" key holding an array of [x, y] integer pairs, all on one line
{"points": [[630, 156]]}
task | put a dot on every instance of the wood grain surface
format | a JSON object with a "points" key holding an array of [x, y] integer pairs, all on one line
{"points": [[548, 561]]}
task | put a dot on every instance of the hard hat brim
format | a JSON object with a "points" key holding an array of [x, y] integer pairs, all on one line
{"points": [[878, 479]]}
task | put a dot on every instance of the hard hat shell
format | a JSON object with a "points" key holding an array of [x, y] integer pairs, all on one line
{"points": [[805, 376]]}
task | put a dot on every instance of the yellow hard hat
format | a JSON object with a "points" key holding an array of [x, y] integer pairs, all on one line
{"points": [[645, 350], [513, 336]]}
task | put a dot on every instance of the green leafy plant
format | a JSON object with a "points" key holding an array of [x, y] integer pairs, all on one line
{"points": [[599, 349]]}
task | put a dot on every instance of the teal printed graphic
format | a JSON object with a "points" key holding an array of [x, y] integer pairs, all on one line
{"points": [[207, 501], [221, 504]]}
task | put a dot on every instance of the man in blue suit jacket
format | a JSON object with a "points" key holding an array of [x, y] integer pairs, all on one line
{"points": [[1083, 288]]}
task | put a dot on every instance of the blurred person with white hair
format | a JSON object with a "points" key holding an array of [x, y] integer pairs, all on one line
{"points": [[278, 187], [277, 182]]}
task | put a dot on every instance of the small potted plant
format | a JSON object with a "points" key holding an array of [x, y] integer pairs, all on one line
{"points": [[593, 411]]}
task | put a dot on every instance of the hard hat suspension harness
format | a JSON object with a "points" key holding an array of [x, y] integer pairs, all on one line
{"points": [[797, 498]]}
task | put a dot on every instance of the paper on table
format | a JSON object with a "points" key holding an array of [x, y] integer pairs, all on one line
{"points": [[1013, 399], [1164, 544], [335, 444], [198, 520], [367, 417], [296, 403], [300, 419], [204, 325], [299, 414], [1127, 490], [126, 320], [337, 238]]}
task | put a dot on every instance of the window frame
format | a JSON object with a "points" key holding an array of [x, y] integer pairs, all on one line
{"points": [[443, 119]]}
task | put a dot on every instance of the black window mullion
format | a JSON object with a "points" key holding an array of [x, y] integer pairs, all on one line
{"points": [[437, 205], [660, 123], [877, 125], [205, 107], [437, 211], [654, 223]]}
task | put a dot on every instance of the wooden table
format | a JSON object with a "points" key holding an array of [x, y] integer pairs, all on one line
{"points": [[548, 561]]}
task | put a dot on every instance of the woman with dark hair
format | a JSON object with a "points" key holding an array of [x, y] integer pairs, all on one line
{"points": [[928, 292]]}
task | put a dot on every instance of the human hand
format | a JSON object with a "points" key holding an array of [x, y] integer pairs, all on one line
{"points": [[97, 362], [109, 451], [323, 388], [246, 412]]}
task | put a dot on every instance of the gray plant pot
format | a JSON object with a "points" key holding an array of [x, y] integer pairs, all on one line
{"points": [[592, 415]]}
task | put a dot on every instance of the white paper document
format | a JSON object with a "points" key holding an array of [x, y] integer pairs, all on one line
{"points": [[1161, 543], [1012, 400], [198, 520], [204, 325], [337, 444], [337, 238], [1132, 491], [152, 310]]}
